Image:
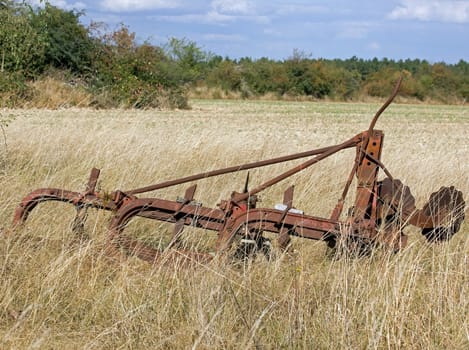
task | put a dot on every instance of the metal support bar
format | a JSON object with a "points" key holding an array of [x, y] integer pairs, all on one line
{"points": [[350, 143]]}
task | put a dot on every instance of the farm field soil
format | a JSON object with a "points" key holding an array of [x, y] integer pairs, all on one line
{"points": [[57, 292]]}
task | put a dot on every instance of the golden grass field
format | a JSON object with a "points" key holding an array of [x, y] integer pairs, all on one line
{"points": [[56, 293]]}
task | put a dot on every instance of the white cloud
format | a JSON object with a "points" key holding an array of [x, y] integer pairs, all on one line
{"points": [[242, 7], [234, 10], [293, 9], [65, 5], [209, 18], [353, 33], [138, 5], [212, 17], [374, 46], [273, 32], [353, 30], [61, 4], [432, 10], [223, 37], [217, 17], [220, 12]]}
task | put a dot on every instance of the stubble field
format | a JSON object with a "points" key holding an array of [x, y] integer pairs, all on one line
{"points": [[57, 293]]}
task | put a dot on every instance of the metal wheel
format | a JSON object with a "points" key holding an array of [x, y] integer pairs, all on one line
{"points": [[396, 206], [445, 208]]}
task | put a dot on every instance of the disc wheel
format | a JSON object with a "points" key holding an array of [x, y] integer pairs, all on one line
{"points": [[445, 209], [395, 199], [396, 206]]}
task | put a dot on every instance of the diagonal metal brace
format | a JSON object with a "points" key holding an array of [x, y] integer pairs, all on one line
{"points": [[179, 224]]}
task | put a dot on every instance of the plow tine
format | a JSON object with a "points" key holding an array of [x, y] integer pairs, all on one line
{"points": [[177, 232], [188, 197], [92, 181], [180, 220], [78, 223], [284, 237], [288, 196], [246, 184]]}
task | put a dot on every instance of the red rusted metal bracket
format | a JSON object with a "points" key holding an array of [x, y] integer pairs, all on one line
{"points": [[380, 212]]}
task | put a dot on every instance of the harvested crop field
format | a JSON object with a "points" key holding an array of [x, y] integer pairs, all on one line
{"points": [[58, 292]]}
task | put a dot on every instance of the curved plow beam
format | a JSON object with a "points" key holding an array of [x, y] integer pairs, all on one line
{"points": [[58, 195], [278, 222], [146, 208]]}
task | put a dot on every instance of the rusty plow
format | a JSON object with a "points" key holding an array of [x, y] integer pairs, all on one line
{"points": [[381, 208]]}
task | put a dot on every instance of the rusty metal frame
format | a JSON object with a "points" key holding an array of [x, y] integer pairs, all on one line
{"points": [[239, 213]]}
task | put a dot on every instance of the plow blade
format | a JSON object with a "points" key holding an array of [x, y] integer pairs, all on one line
{"points": [[441, 217]]}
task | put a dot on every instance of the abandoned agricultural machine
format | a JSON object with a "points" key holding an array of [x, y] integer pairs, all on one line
{"points": [[380, 211]]}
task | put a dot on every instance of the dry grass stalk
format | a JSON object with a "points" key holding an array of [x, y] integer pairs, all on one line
{"points": [[56, 293]]}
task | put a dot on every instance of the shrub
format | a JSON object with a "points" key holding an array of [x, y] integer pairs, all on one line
{"points": [[13, 89]]}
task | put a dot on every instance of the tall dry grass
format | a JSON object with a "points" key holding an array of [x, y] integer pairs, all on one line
{"points": [[58, 293]]}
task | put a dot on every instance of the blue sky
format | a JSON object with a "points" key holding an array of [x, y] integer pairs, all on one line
{"points": [[435, 30]]}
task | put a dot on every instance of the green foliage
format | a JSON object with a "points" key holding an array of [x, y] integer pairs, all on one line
{"points": [[121, 72], [21, 45], [68, 45], [265, 75], [132, 75], [225, 75], [13, 89], [188, 61], [380, 83]]}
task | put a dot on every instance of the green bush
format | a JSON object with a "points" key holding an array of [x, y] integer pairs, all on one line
{"points": [[225, 75], [133, 76], [121, 72], [68, 45], [13, 89], [22, 47]]}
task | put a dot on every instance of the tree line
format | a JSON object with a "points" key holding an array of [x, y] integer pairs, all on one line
{"points": [[114, 70]]}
